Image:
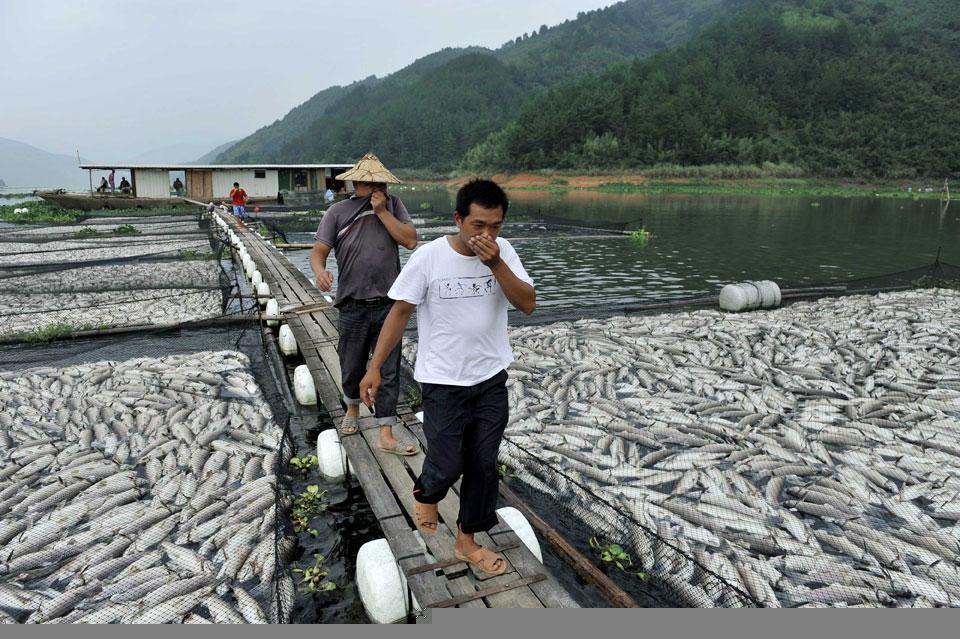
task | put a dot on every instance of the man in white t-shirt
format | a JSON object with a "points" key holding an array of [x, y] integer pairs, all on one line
{"points": [[460, 285]]}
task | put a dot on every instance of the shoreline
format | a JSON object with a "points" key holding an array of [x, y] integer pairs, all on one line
{"points": [[640, 184]]}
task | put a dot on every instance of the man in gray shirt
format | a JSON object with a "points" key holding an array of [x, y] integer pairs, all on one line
{"points": [[364, 232]]}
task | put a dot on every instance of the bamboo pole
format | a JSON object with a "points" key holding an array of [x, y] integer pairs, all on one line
{"points": [[583, 567]]}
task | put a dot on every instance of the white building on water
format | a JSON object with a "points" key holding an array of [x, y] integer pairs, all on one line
{"points": [[209, 182]]}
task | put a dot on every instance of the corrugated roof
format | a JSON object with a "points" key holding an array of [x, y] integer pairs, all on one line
{"points": [[221, 167]]}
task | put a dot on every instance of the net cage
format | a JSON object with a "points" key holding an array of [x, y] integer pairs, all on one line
{"points": [[807, 456], [803, 456], [144, 460]]}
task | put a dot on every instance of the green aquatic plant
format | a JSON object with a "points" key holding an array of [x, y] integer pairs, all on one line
{"points": [[39, 212], [505, 473], [315, 577], [426, 206], [305, 506], [412, 398], [642, 236], [303, 464], [126, 229], [86, 232], [46, 333], [614, 555], [189, 255]]}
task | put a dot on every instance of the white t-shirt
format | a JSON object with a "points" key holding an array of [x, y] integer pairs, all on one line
{"points": [[461, 313]]}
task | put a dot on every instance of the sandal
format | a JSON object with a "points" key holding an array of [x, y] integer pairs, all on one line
{"points": [[349, 425], [426, 515], [400, 448], [485, 560]]}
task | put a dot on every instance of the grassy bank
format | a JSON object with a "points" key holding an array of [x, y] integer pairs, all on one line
{"points": [[698, 180], [38, 213], [42, 212]]}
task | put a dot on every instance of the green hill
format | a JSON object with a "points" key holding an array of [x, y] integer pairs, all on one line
{"points": [[426, 115], [838, 87]]}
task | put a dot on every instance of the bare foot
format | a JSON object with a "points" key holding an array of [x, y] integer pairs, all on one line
{"points": [[388, 441]]}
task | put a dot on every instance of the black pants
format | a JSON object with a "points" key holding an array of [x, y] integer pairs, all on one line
{"points": [[360, 325], [464, 426]]}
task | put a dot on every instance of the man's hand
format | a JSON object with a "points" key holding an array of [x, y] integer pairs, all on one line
{"points": [[325, 281], [369, 385], [378, 200], [486, 248]]}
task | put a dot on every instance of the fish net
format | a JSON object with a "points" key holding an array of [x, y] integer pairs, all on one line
{"points": [[802, 457], [805, 456], [144, 449]]}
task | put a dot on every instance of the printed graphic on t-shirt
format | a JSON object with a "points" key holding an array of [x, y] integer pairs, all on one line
{"points": [[460, 287]]}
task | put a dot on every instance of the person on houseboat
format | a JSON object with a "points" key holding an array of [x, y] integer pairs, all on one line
{"points": [[178, 186], [238, 197], [125, 186], [103, 185], [111, 179], [462, 356], [364, 232]]}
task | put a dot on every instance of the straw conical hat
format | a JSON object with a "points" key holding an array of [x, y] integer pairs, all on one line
{"points": [[369, 169]]}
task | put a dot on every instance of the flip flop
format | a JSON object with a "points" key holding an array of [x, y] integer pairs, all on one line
{"points": [[349, 425], [426, 516], [400, 448], [485, 560]]}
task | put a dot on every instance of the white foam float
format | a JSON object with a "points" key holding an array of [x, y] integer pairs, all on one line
{"points": [[256, 278], [303, 388], [747, 296], [272, 312], [288, 343], [331, 458], [381, 584], [515, 519], [263, 291]]}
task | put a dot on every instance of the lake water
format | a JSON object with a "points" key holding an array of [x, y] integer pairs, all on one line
{"points": [[698, 243]]}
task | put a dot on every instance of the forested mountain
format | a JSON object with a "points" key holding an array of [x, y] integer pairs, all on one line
{"points": [[428, 114], [839, 87], [268, 143]]}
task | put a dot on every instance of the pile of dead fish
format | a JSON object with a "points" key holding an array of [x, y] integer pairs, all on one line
{"points": [[48, 279], [808, 456], [142, 491]]}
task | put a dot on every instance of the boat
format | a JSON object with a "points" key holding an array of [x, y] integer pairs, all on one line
{"points": [[84, 201]]}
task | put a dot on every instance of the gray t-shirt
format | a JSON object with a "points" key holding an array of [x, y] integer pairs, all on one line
{"points": [[368, 258]]}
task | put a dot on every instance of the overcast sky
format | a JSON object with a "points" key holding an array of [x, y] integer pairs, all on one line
{"points": [[117, 79]]}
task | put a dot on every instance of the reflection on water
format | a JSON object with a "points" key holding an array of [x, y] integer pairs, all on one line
{"points": [[699, 242]]}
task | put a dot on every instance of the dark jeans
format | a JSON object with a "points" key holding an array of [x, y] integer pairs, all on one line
{"points": [[360, 325], [464, 426]]}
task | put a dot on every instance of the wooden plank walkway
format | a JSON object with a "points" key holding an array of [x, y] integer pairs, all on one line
{"points": [[387, 479]]}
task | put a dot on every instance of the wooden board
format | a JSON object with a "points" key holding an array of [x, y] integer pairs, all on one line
{"points": [[387, 479]]}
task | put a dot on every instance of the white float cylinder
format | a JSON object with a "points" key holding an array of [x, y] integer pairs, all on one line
{"points": [[381, 584], [515, 519], [747, 296], [288, 343], [256, 278], [263, 290], [272, 312], [331, 458], [303, 388]]}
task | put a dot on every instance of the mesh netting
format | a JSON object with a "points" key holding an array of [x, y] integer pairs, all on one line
{"points": [[803, 457], [143, 476]]}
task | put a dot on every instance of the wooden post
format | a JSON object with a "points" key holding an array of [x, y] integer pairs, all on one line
{"points": [[587, 570]]}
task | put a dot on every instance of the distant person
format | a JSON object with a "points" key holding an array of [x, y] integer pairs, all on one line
{"points": [[178, 186], [103, 185], [125, 186], [239, 199], [113, 186]]}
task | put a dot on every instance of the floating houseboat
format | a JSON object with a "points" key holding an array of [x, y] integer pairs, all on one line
{"points": [[151, 185]]}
